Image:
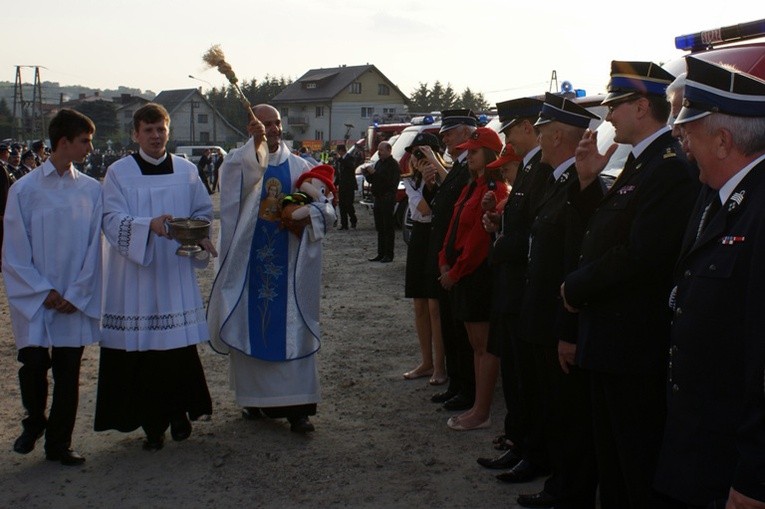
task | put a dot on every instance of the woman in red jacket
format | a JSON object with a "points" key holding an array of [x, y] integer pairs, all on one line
{"points": [[466, 274]]}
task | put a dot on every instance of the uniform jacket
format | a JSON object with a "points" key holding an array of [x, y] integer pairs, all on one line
{"points": [[628, 253], [715, 432], [554, 244], [510, 251], [442, 206]]}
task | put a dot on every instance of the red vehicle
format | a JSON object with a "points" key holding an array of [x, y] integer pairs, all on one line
{"points": [[382, 132]]}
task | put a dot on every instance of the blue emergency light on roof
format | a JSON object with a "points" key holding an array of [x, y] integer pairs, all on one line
{"points": [[423, 120], [708, 38]]}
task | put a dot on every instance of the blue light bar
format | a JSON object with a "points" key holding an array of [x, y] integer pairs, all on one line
{"points": [[708, 38]]}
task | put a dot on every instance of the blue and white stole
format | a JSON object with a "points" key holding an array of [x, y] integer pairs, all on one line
{"points": [[269, 267]]}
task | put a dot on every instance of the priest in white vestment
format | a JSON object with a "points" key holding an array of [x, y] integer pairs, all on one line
{"points": [[153, 316], [52, 275], [264, 305]]}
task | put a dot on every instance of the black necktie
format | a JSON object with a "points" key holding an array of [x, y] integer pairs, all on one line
{"points": [[709, 212]]}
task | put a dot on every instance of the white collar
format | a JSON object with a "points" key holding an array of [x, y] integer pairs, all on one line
{"points": [[146, 157], [640, 147], [727, 189], [563, 167], [531, 153]]}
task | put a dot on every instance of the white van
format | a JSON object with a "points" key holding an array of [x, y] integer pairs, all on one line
{"points": [[194, 152]]}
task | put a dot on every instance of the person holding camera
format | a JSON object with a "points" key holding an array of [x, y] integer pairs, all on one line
{"points": [[384, 177], [418, 286]]}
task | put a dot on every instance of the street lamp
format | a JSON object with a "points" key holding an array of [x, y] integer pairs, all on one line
{"points": [[200, 79], [215, 123]]}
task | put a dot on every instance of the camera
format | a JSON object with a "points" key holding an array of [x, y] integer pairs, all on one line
{"points": [[419, 154]]}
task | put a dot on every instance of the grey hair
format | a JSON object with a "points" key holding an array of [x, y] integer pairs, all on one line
{"points": [[676, 86], [748, 133]]}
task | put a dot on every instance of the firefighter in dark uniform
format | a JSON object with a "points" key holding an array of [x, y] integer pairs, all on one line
{"points": [[714, 440], [554, 245], [526, 453], [456, 128], [624, 276]]}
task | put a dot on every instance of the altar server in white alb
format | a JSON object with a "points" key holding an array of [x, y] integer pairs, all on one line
{"points": [[264, 306], [150, 375], [52, 273]]}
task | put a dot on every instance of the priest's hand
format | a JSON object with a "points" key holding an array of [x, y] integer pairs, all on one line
{"points": [[257, 130], [590, 162], [65, 307], [159, 227], [208, 246], [52, 300]]}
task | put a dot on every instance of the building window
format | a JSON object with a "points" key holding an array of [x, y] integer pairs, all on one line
{"points": [[127, 114], [319, 111], [202, 118], [367, 112], [318, 135], [204, 136], [310, 85], [354, 88], [389, 111], [285, 112], [383, 89]]}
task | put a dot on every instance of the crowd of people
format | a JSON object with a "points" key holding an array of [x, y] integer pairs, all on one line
{"points": [[623, 316], [623, 313]]}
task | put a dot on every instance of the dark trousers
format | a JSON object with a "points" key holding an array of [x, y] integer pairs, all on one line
{"points": [[567, 412], [531, 439], [516, 427], [346, 207], [629, 412], [33, 381], [386, 230], [457, 350]]}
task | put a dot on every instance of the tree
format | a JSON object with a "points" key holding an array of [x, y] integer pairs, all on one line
{"points": [[419, 101], [6, 120], [104, 115], [473, 101], [226, 99]]}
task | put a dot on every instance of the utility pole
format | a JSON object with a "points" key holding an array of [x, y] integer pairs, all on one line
{"points": [[28, 120], [554, 78]]}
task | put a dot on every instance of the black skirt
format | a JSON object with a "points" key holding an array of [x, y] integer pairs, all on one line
{"points": [[418, 278], [148, 389], [471, 296]]}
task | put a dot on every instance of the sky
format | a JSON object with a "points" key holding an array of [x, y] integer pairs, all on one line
{"points": [[501, 48]]}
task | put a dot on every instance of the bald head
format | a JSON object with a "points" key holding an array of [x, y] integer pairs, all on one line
{"points": [[272, 121]]}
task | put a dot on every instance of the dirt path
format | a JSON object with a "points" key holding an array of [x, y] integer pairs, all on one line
{"points": [[379, 442]]}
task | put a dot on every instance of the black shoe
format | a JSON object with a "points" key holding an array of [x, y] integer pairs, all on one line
{"points": [[343, 228], [180, 428], [505, 460], [251, 413], [541, 499], [459, 402], [67, 457], [386, 259], [523, 471], [376, 258], [301, 424], [443, 397], [26, 441], [353, 225], [154, 443]]}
